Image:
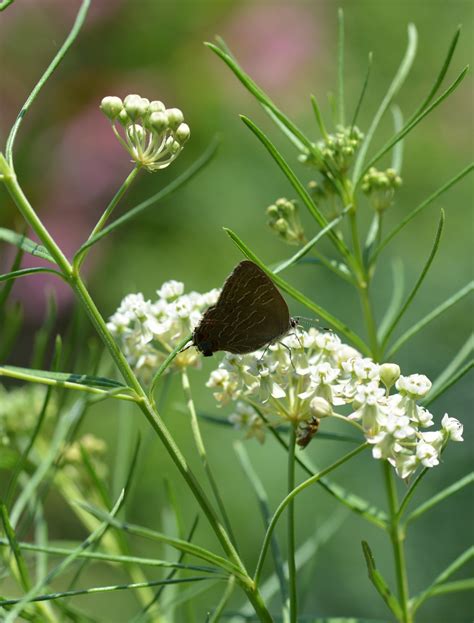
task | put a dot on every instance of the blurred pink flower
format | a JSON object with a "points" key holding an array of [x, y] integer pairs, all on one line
{"points": [[275, 43]]}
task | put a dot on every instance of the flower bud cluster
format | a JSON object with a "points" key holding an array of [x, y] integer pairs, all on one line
{"points": [[336, 150], [73, 461], [19, 409], [380, 186], [147, 331], [303, 379], [152, 134], [284, 220]]}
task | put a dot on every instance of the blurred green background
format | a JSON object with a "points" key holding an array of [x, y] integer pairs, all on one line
{"points": [[70, 165]]}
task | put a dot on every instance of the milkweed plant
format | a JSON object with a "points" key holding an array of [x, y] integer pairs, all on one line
{"points": [[284, 394]]}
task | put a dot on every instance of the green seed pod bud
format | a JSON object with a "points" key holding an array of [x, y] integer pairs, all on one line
{"points": [[156, 106], [320, 408], [123, 117], [272, 211], [175, 147], [182, 133], [175, 117], [158, 121], [389, 374], [111, 106], [281, 226], [133, 106]]}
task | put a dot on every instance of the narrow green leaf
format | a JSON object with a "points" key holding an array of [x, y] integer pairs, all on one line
{"points": [[32, 594], [102, 589], [421, 324], [21, 566], [298, 296], [65, 424], [319, 118], [262, 498], [412, 124], [309, 245], [451, 369], [362, 93], [65, 379], [147, 533], [340, 68], [441, 496], [394, 87], [379, 582], [451, 381], [460, 561], [397, 156], [260, 95], [24, 272], [60, 54], [20, 466], [215, 617], [167, 362], [12, 321], [419, 208], [5, 3], [25, 244], [373, 237], [110, 557], [441, 74], [417, 285], [177, 183], [6, 289], [44, 333], [396, 299]]}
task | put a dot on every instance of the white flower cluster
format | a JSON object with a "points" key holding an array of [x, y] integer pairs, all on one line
{"points": [[303, 378], [148, 331], [152, 134]]}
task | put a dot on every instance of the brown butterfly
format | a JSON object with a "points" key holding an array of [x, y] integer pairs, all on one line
{"points": [[250, 313]]}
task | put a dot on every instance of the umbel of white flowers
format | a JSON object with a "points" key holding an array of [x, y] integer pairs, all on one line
{"points": [[151, 133], [321, 375]]}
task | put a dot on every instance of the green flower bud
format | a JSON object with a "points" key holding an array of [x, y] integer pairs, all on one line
{"points": [[320, 408], [156, 106], [134, 106], [175, 147], [281, 226], [272, 211], [182, 133], [175, 117], [111, 106], [123, 117], [158, 121], [389, 374]]}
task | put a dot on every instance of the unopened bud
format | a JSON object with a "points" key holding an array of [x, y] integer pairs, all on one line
{"points": [[320, 407], [389, 374], [111, 106], [175, 117]]}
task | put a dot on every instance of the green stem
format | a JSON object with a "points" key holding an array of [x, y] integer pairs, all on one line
{"points": [[246, 583], [397, 537], [202, 452], [81, 255], [30, 216], [291, 529]]}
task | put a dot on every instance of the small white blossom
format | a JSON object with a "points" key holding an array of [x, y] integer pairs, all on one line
{"points": [[415, 386], [452, 427]]}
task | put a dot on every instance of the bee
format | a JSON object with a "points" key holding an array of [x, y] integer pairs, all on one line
{"points": [[306, 431]]}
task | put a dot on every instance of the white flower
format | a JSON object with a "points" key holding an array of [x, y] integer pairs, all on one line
{"points": [[427, 454], [245, 418], [415, 386], [452, 427], [171, 289]]}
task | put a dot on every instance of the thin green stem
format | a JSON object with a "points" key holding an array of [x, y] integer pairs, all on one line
{"points": [[284, 503], [82, 253], [291, 529], [61, 53], [202, 452], [30, 216], [397, 537]]}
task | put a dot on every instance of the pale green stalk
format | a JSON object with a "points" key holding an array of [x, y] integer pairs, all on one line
{"points": [[291, 545]]}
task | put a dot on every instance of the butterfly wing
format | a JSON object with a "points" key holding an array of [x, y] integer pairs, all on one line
{"points": [[249, 313]]}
